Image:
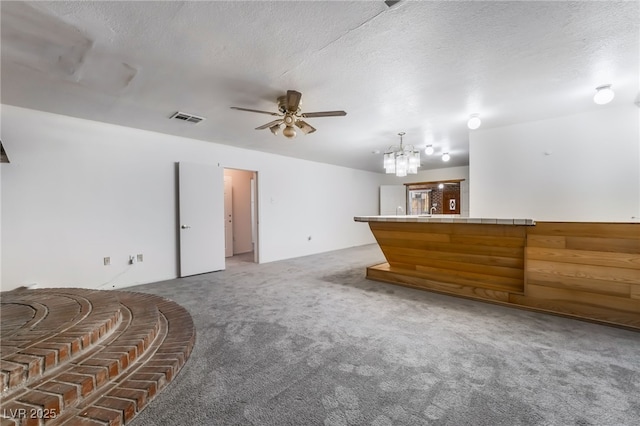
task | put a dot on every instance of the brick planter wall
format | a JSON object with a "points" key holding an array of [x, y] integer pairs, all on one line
{"points": [[87, 357]]}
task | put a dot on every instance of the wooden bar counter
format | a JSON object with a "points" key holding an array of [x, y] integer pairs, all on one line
{"points": [[586, 270]]}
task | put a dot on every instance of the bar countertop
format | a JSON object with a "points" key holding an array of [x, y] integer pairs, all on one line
{"points": [[444, 218], [585, 270]]}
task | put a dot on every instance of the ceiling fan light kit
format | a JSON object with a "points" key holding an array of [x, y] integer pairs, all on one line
{"points": [[289, 132], [290, 114]]}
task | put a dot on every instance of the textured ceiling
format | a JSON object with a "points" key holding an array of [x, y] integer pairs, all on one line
{"points": [[418, 67]]}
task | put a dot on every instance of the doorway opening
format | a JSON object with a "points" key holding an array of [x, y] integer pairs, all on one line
{"points": [[241, 216]]}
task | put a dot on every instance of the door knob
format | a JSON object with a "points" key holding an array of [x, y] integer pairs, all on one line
{"points": [[186, 227]]}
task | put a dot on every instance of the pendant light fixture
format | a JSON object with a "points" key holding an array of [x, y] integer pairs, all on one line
{"points": [[474, 121], [604, 94], [401, 160]]}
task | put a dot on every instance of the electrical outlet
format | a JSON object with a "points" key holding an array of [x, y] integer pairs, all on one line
{"points": [[132, 259], [140, 258], [107, 261]]}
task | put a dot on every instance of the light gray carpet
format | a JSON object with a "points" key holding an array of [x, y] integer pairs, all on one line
{"points": [[310, 341]]}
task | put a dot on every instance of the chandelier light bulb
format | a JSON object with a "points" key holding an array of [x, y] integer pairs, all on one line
{"points": [[474, 121], [446, 157], [604, 94], [429, 150]]}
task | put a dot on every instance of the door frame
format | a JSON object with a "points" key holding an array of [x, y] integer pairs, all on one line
{"points": [[255, 211]]}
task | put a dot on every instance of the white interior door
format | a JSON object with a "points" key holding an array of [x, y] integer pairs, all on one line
{"points": [[201, 210], [228, 216]]}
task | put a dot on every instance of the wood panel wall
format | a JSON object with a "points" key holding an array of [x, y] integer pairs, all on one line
{"points": [[585, 270], [465, 258]]}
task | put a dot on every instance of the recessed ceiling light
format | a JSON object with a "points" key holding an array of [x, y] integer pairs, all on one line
{"points": [[604, 94], [446, 156], [429, 150], [474, 121]]}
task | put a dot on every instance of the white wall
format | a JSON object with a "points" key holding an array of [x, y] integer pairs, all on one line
{"points": [[435, 175], [77, 191], [583, 167]]}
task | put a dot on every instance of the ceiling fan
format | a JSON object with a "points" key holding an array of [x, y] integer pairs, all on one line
{"points": [[289, 113]]}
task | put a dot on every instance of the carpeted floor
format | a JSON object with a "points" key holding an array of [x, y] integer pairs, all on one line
{"points": [[310, 341]]}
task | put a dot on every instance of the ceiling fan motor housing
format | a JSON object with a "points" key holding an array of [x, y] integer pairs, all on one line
{"points": [[282, 105]]}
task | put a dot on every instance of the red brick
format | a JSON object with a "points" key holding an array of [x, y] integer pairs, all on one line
{"points": [[63, 349], [111, 417], [150, 387], [139, 396], [178, 356], [6, 348], [17, 372], [85, 382], [32, 363], [113, 369], [158, 367], [74, 343], [128, 408], [7, 422], [99, 374], [21, 412], [48, 355], [130, 350], [137, 345], [4, 381], [49, 402], [69, 393], [95, 335], [82, 421]]}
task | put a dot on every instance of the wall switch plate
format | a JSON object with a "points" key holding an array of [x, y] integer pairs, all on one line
{"points": [[140, 258], [107, 261]]}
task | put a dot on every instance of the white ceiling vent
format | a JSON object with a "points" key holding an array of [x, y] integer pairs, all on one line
{"points": [[189, 118]]}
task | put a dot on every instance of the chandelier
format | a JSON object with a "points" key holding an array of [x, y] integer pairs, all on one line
{"points": [[401, 160]]}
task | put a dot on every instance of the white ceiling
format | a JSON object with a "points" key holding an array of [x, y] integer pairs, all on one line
{"points": [[418, 67]]}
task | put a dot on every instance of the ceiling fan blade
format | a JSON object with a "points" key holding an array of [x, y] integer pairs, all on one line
{"points": [[293, 100], [323, 114], [305, 127], [273, 123], [256, 110]]}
